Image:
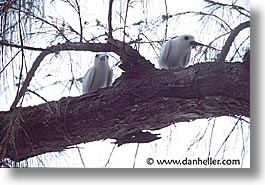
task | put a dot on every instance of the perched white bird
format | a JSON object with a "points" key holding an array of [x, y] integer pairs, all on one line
{"points": [[99, 76], [176, 52]]}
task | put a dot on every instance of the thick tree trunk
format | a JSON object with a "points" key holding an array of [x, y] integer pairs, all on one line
{"points": [[149, 100]]}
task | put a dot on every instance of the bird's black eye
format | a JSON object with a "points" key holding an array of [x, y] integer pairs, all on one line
{"points": [[107, 56], [186, 38], [97, 55]]}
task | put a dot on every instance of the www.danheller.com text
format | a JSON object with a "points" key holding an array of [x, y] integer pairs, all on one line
{"points": [[197, 161]]}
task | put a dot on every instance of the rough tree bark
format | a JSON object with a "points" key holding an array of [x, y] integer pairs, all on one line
{"points": [[147, 100]]}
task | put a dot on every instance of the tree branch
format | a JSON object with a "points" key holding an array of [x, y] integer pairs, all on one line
{"points": [[133, 62], [232, 6], [110, 19], [80, 20], [5, 43], [150, 100], [125, 19], [230, 40], [202, 14], [60, 31]]}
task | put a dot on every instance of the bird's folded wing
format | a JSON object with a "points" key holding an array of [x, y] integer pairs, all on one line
{"points": [[164, 53], [186, 59], [88, 80], [110, 77]]}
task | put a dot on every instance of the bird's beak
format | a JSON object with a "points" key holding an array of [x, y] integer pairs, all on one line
{"points": [[194, 44]]}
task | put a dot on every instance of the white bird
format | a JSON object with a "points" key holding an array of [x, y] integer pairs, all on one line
{"points": [[99, 76], [176, 52]]}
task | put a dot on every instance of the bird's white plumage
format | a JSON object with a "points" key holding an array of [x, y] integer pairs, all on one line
{"points": [[176, 52], [99, 76]]}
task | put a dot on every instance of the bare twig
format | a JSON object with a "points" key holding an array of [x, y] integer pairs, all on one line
{"points": [[203, 14], [4, 67], [211, 137], [30, 74], [238, 48], [165, 36], [80, 155], [109, 19], [125, 20], [136, 152], [107, 163], [5, 6], [77, 33], [227, 137], [41, 97], [233, 6], [152, 45], [5, 43], [60, 31], [22, 50], [230, 40], [80, 20]]}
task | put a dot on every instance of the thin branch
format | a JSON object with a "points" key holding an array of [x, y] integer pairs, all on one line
{"points": [[107, 163], [204, 14], [230, 40], [136, 152], [4, 7], [60, 31], [5, 43], [110, 19], [211, 137], [71, 4], [198, 137], [125, 20], [237, 48], [80, 20], [165, 35], [233, 6], [77, 33], [4, 67], [22, 50], [152, 45], [41, 97], [243, 150], [227, 137], [218, 37], [81, 157], [30, 74]]}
